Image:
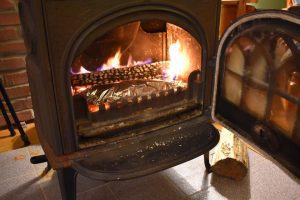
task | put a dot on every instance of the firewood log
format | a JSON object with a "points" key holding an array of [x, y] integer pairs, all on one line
{"points": [[139, 72], [230, 158]]}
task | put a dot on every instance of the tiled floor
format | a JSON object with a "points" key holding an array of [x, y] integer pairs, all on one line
{"points": [[21, 180]]}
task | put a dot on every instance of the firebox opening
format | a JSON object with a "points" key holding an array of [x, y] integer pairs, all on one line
{"points": [[135, 74]]}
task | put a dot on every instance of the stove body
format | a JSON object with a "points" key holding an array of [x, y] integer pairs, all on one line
{"points": [[55, 30], [143, 134], [101, 113]]}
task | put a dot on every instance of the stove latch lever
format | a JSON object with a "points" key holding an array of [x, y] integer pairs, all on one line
{"points": [[264, 135]]}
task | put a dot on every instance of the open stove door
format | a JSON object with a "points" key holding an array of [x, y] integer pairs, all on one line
{"points": [[257, 84]]}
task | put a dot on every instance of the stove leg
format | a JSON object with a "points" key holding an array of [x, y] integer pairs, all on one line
{"points": [[206, 162], [67, 182]]}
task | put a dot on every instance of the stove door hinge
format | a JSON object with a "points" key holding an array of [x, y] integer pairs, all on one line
{"points": [[209, 85], [212, 62], [207, 111]]}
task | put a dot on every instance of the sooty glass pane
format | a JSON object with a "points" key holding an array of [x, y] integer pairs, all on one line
{"points": [[282, 52], [261, 57], [255, 101], [255, 61], [296, 135], [235, 60], [287, 72], [257, 66], [284, 114], [294, 84], [246, 57], [232, 89]]}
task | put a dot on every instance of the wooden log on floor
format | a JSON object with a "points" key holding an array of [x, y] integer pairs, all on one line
{"points": [[230, 158]]}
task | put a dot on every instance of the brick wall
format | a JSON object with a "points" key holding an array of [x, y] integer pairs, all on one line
{"points": [[12, 61]]}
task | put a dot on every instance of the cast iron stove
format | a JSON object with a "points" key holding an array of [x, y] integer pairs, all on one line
{"points": [[123, 89]]}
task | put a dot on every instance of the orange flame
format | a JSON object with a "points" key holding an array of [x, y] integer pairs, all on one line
{"points": [[179, 62], [113, 62]]}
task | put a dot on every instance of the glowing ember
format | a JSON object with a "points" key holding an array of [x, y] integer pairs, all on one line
{"points": [[79, 89], [93, 108], [113, 62], [107, 106], [82, 70], [179, 62]]}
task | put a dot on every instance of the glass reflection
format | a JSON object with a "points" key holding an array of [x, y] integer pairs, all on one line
{"points": [[236, 60], [262, 78], [294, 84], [255, 101], [233, 88], [283, 114]]}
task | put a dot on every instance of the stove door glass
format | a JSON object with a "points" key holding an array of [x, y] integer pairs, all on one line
{"points": [[257, 86]]}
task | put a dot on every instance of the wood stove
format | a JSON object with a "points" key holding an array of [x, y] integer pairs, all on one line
{"points": [[123, 89]]}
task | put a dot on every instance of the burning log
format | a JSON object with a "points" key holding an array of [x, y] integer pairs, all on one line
{"points": [[139, 72], [230, 158]]}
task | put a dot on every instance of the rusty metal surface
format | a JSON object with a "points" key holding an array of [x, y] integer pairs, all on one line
{"points": [[120, 120], [170, 146]]}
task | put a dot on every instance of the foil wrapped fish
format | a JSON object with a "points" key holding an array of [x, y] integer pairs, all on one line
{"points": [[126, 90]]}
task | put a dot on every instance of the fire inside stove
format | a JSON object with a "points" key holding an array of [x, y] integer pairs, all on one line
{"points": [[136, 73]]}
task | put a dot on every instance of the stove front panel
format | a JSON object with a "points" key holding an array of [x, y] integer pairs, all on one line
{"points": [[73, 25]]}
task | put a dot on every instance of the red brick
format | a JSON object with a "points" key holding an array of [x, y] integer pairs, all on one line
{"points": [[9, 18], [20, 104], [15, 78], [18, 91], [11, 48], [25, 115], [2, 122], [7, 5], [10, 33], [12, 63]]}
